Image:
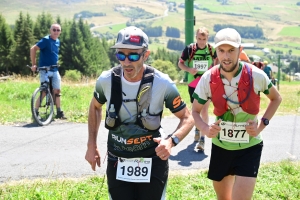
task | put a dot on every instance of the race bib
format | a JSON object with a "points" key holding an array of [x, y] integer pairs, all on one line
{"points": [[234, 132], [134, 169], [200, 65]]}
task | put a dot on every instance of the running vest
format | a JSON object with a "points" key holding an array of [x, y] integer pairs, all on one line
{"points": [[132, 140], [144, 119], [249, 101]]}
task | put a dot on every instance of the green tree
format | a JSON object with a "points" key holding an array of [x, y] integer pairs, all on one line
{"points": [[166, 67], [21, 49], [6, 43], [42, 26], [73, 51]]}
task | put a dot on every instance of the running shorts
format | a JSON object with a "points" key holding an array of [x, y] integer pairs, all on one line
{"points": [[155, 190], [244, 162]]}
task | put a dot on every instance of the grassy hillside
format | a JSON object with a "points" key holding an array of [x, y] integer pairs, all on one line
{"points": [[279, 19]]}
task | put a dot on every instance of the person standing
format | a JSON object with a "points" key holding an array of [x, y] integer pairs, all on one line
{"points": [[200, 56], [237, 142], [267, 69], [49, 50], [137, 148]]}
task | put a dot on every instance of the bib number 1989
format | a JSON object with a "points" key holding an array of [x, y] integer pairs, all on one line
{"points": [[134, 169]]}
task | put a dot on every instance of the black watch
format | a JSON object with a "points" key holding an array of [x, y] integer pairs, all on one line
{"points": [[265, 121], [175, 140]]}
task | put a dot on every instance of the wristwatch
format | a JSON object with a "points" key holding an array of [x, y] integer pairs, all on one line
{"points": [[265, 121], [175, 140]]}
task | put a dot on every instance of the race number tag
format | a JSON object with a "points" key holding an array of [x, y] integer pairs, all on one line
{"points": [[234, 132], [200, 65], [134, 169]]}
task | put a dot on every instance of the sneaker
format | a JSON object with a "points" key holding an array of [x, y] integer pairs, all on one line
{"points": [[200, 145], [38, 115], [60, 115], [197, 136]]}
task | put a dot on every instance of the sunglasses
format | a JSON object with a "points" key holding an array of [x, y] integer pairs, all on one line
{"points": [[133, 57], [58, 30]]}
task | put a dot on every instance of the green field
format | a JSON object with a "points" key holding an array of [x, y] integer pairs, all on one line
{"points": [[290, 31]]}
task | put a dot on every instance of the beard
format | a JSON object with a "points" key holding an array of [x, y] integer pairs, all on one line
{"points": [[234, 66]]}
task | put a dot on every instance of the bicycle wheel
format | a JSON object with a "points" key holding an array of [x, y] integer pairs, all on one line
{"points": [[45, 106]]}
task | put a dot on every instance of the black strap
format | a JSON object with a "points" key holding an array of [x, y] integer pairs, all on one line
{"points": [[116, 86]]}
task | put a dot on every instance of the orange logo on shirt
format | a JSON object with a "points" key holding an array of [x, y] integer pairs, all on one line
{"points": [[177, 102]]}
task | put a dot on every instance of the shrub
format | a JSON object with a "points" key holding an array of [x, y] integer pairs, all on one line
{"points": [[72, 75]]}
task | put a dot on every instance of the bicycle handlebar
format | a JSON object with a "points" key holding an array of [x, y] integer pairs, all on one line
{"points": [[46, 68]]}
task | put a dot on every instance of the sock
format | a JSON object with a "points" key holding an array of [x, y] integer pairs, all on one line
{"points": [[58, 110]]}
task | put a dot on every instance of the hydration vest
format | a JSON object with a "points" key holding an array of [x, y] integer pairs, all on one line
{"points": [[249, 101], [143, 98]]}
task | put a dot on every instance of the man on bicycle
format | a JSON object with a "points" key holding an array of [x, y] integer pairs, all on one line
{"points": [[49, 48]]}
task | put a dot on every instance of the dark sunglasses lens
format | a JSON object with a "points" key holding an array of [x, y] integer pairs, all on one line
{"points": [[134, 57], [120, 56], [56, 30]]}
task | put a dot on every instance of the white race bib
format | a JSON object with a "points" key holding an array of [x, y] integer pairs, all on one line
{"points": [[200, 65], [234, 132], [134, 169]]}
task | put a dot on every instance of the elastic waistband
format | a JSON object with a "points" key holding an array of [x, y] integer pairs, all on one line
{"points": [[111, 156]]}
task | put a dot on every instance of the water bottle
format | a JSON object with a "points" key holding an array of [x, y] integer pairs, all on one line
{"points": [[112, 111], [144, 114]]}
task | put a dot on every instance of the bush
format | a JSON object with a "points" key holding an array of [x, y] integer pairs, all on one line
{"points": [[72, 75]]}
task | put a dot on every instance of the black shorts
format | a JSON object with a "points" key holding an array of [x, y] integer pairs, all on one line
{"points": [[244, 162], [140, 191], [191, 92]]}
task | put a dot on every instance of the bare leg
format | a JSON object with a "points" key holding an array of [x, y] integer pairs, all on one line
{"points": [[243, 188], [235, 188], [224, 188]]}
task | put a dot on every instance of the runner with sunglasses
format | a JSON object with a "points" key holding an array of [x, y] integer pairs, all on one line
{"points": [[135, 95], [49, 49], [234, 88]]}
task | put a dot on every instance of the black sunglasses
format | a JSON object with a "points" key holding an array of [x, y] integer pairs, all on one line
{"points": [[133, 57], [58, 30]]}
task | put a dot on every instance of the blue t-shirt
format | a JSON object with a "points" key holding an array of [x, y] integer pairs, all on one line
{"points": [[49, 50], [267, 69]]}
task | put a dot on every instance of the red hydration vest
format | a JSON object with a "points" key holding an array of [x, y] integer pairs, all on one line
{"points": [[248, 100]]}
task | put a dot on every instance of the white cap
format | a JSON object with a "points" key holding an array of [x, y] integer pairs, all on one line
{"points": [[228, 36]]}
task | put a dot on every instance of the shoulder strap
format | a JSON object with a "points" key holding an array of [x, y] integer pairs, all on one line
{"points": [[210, 51], [116, 88], [192, 48]]}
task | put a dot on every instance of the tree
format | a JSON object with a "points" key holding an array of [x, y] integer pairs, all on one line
{"points": [[166, 67], [23, 41], [6, 43]]}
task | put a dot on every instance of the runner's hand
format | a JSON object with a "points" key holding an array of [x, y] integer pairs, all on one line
{"points": [[163, 150], [93, 157], [212, 130], [251, 128]]}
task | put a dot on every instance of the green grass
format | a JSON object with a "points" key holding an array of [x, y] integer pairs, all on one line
{"points": [[15, 97], [275, 181], [290, 31]]}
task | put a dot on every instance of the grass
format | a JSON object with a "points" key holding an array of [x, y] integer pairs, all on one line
{"points": [[15, 97], [275, 181], [290, 31]]}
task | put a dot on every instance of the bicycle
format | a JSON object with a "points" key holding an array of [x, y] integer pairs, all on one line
{"points": [[42, 102]]}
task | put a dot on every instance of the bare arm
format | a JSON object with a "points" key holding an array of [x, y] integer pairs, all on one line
{"points": [[211, 130], [94, 120], [275, 99], [185, 125], [183, 67], [33, 51]]}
